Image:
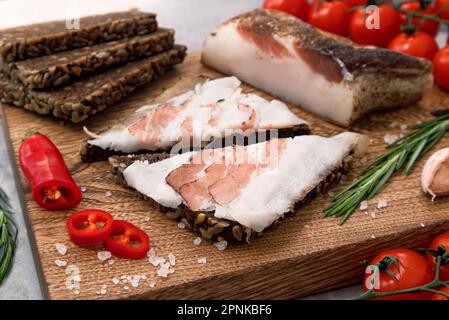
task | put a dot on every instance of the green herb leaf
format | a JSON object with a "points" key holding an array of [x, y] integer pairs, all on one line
{"points": [[8, 236], [406, 151]]}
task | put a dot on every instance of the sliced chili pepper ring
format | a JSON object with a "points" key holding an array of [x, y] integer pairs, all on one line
{"points": [[89, 227], [127, 241]]}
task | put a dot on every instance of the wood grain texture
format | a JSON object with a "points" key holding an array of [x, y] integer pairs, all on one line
{"points": [[304, 255]]}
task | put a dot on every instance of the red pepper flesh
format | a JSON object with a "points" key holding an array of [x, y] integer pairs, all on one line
{"points": [[127, 241], [89, 227], [52, 185]]}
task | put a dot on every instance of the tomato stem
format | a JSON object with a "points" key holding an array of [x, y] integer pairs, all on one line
{"points": [[428, 287]]}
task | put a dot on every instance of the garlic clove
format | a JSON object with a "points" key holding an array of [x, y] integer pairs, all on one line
{"points": [[435, 174]]}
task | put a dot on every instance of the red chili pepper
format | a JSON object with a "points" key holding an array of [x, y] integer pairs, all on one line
{"points": [[127, 241], [43, 165], [89, 227]]}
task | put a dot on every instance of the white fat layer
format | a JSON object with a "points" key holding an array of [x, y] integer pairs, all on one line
{"points": [[219, 99], [149, 179], [305, 162], [270, 193], [290, 79]]}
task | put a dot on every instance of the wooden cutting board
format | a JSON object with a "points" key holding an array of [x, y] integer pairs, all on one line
{"points": [[306, 254]]}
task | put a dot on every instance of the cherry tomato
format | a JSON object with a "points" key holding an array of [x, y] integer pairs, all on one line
{"points": [[414, 270], [363, 29], [298, 8], [441, 68], [429, 26], [331, 16], [439, 5], [89, 227], [440, 240], [355, 3], [419, 44], [127, 241], [437, 296]]}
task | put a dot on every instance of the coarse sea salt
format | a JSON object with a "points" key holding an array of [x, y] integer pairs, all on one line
{"points": [[152, 284], [382, 204], [108, 193], [373, 215], [364, 205], [156, 261], [202, 260], [115, 281], [390, 138], [221, 245], [172, 259], [165, 270], [404, 127], [197, 241], [83, 189], [181, 225], [104, 255], [60, 263], [61, 248]]}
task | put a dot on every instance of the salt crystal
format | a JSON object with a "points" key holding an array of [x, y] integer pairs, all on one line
{"points": [[373, 237], [76, 292], [155, 260], [221, 245], [181, 225], [103, 291], [61, 248], [83, 189], [331, 194], [152, 284], [382, 204], [60, 263], [373, 215], [364, 205], [77, 278], [151, 252], [197, 241], [143, 277], [390, 138], [110, 262], [128, 278], [172, 259], [104, 255], [135, 282], [115, 281], [306, 226], [165, 270], [422, 224], [104, 286], [108, 193], [125, 288], [123, 277], [202, 260], [404, 127], [147, 219], [393, 124]]}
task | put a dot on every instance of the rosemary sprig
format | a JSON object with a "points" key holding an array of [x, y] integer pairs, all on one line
{"points": [[8, 236], [401, 154]]}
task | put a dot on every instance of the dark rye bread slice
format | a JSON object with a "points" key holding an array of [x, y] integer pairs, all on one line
{"points": [[40, 39], [90, 153], [88, 96], [205, 223], [62, 67]]}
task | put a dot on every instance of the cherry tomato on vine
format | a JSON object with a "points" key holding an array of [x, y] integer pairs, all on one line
{"points": [[429, 26], [418, 44], [441, 68], [363, 28], [440, 240], [332, 16], [439, 5], [298, 8], [414, 270], [437, 296]]}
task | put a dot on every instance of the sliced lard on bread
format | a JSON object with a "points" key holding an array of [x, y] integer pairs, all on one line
{"points": [[246, 188]]}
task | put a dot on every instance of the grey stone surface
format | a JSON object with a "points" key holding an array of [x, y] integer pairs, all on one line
{"points": [[192, 21]]}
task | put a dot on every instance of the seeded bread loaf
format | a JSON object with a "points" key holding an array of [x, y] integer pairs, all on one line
{"points": [[79, 100], [62, 67], [50, 37]]}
